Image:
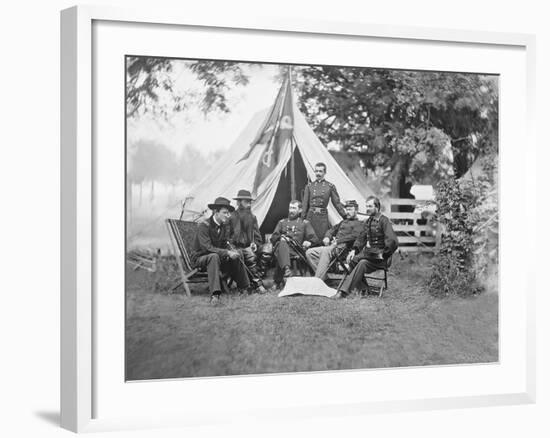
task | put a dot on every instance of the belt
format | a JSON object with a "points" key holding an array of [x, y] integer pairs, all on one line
{"points": [[318, 210]]}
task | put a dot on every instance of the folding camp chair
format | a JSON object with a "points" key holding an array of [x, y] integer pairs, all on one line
{"points": [[337, 270], [339, 261], [181, 235], [378, 290]]}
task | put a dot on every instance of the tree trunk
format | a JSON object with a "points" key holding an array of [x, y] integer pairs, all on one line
{"points": [[140, 192], [396, 176], [400, 188], [461, 162]]}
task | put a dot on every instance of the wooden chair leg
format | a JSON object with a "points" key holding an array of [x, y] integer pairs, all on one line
{"points": [[186, 287]]}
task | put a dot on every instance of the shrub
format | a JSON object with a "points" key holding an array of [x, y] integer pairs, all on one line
{"points": [[468, 215], [450, 278]]}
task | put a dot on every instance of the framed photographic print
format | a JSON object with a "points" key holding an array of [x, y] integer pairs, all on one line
{"points": [[318, 217]]}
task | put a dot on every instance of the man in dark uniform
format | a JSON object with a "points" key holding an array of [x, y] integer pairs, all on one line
{"points": [[210, 249], [293, 227], [317, 195], [246, 236], [376, 243], [337, 239]]}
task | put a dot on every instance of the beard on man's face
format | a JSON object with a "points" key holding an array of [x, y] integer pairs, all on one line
{"points": [[245, 215]]}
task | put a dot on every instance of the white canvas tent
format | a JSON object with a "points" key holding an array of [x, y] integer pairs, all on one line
{"points": [[232, 173]]}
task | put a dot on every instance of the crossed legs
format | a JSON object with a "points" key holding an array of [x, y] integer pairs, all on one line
{"points": [[214, 265], [320, 257], [361, 266]]}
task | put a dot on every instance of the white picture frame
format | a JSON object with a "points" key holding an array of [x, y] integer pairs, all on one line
{"points": [[81, 366]]}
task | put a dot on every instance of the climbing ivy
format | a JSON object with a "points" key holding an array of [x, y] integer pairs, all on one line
{"points": [[468, 216]]}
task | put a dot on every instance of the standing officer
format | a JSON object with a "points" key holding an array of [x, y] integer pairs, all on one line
{"points": [[295, 228], [317, 195]]}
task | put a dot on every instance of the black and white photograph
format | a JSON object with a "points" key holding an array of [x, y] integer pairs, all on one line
{"points": [[285, 218], [248, 219]]}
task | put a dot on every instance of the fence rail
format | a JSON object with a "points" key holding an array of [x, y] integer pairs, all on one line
{"points": [[415, 233]]}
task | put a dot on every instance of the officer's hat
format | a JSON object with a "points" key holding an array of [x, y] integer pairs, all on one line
{"points": [[221, 202], [352, 203], [243, 194]]}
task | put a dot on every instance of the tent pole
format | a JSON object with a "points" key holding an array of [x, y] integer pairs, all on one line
{"points": [[292, 144], [292, 175]]}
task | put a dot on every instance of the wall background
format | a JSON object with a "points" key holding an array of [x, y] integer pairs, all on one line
{"points": [[29, 182]]}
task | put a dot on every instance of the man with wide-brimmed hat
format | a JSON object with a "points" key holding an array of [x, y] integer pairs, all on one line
{"points": [[337, 239], [246, 236], [212, 252]]}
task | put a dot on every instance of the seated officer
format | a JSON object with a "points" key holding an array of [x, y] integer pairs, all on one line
{"points": [[376, 243], [337, 238], [212, 253], [292, 228]]}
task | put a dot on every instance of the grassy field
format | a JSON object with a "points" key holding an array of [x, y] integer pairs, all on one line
{"points": [[171, 336]]}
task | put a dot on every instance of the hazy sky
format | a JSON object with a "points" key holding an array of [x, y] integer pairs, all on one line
{"points": [[219, 130]]}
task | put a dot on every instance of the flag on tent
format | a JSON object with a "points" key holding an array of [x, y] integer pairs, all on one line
{"points": [[227, 176], [276, 131]]}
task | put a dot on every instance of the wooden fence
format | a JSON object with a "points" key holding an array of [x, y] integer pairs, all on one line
{"points": [[415, 233]]}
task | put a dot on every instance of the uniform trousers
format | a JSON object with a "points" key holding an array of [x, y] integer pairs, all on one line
{"points": [[320, 258], [361, 265], [319, 222], [215, 265], [282, 252]]}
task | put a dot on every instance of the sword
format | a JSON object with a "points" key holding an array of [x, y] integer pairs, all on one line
{"points": [[299, 250]]}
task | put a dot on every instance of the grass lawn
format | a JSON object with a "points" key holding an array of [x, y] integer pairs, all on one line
{"points": [[171, 336]]}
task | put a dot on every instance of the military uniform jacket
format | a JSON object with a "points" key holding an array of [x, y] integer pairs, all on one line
{"points": [[298, 229], [211, 238], [317, 194], [345, 232], [379, 233]]}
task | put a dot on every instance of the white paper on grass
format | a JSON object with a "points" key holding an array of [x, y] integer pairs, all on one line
{"points": [[306, 286]]}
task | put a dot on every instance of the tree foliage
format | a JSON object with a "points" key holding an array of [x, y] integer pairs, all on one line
{"points": [[218, 77], [425, 126], [150, 86], [468, 214], [486, 213], [422, 126], [147, 79]]}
